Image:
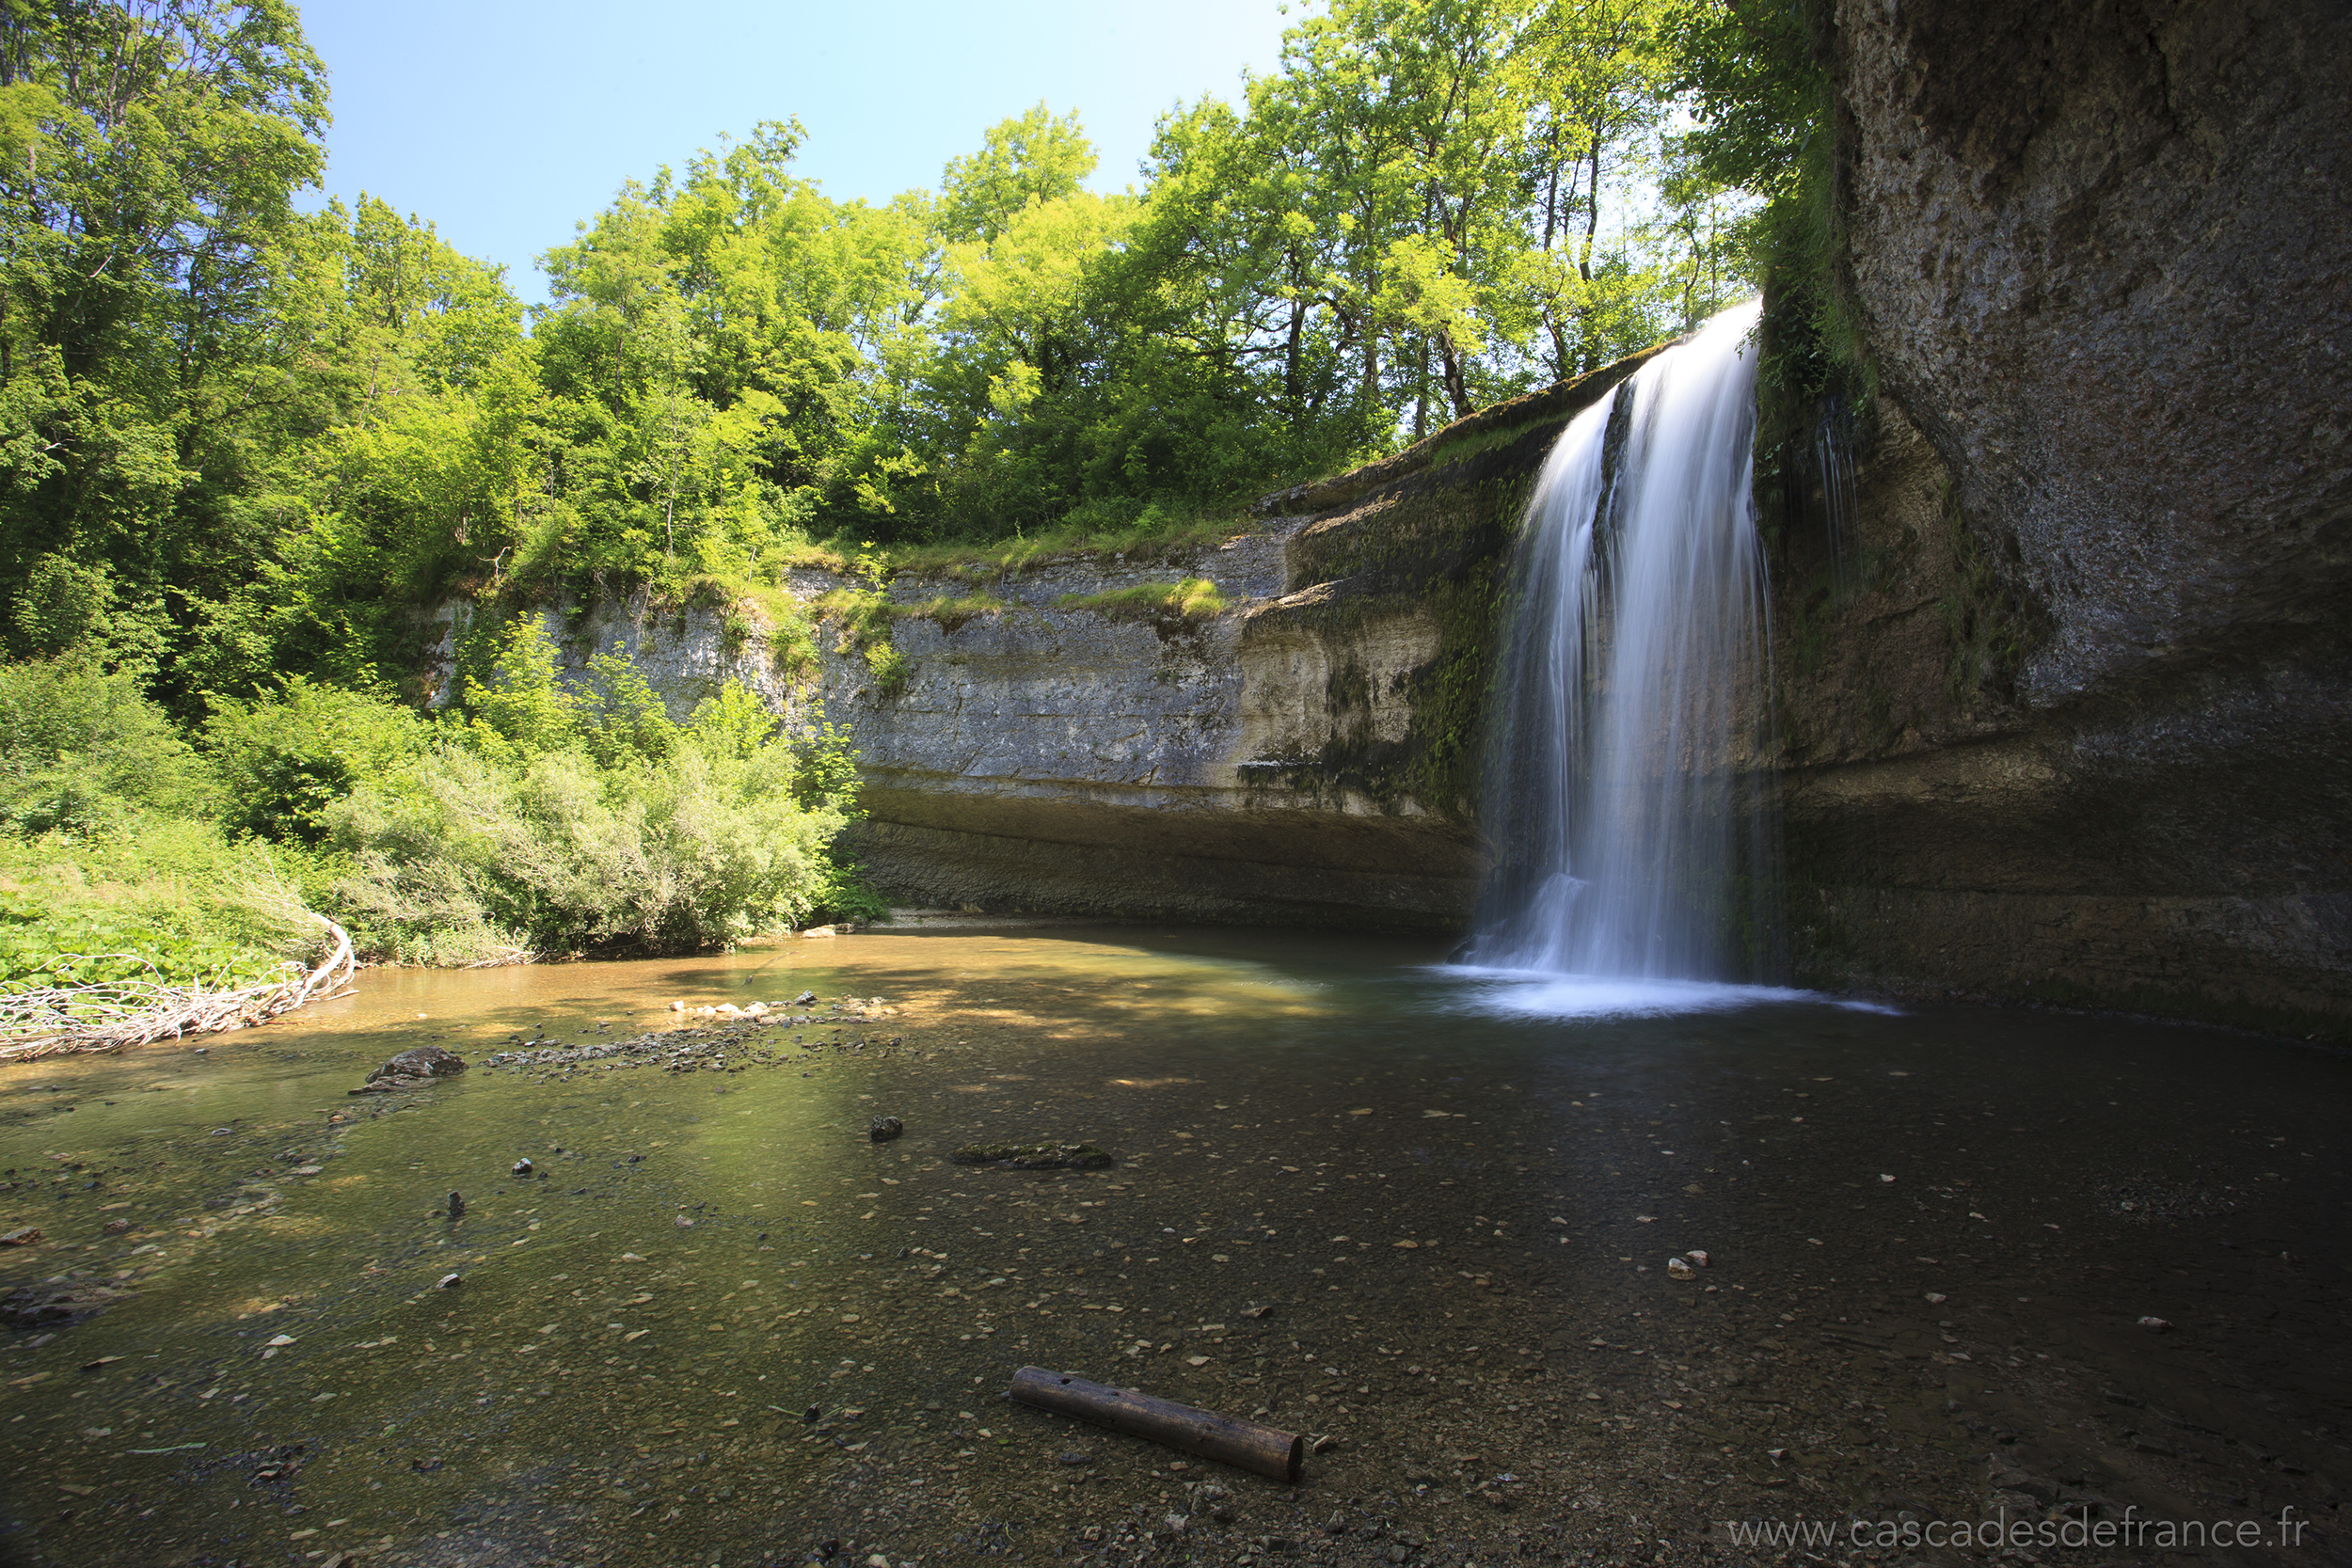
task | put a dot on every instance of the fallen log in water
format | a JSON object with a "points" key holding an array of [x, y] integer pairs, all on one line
{"points": [[1244, 1443], [52, 1020]]}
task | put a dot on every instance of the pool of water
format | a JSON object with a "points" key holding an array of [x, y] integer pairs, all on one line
{"points": [[1423, 1215]]}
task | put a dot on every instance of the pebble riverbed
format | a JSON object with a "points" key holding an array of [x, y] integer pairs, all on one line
{"points": [[717, 1324]]}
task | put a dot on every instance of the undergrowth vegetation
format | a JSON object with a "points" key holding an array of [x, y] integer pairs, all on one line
{"points": [[535, 817]]}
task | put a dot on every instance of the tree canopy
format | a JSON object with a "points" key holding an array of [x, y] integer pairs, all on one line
{"points": [[239, 441]]}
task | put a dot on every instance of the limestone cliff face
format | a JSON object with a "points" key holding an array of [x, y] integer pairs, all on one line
{"points": [[1078, 759], [1307, 756], [685, 654], [2073, 717], [2104, 253]]}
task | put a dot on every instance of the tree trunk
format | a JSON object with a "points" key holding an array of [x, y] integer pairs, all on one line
{"points": [[1457, 378]]}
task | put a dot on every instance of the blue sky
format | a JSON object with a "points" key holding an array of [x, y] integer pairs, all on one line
{"points": [[506, 121]]}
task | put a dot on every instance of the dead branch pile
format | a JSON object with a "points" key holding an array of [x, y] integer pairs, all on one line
{"points": [[53, 1020]]}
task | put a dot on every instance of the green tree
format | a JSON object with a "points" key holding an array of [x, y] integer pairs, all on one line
{"points": [[1416, 114], [1033, 158], [718, 355], [1599, 78], [284, 758], [81, 750], [153, 148], [408, 458]]}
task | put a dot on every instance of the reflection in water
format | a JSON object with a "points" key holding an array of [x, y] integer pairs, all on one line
{"points": [[1423, 1215]]}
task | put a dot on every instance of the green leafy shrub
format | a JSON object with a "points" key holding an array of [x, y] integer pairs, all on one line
{"points": [[283, 759], [44, 943], [847, 896], [824, 769], [620, 716], [890, 669], [563, 820], [513, 687], [173, 899], [469, 851], [81, 750]]}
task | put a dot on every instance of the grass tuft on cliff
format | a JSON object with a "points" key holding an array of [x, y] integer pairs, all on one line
{"points": [[1155, 534], [1191, 599]]}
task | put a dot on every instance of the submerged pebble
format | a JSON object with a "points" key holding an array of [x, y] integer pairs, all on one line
{"points": [[1033, 1156], [54, 1303]]}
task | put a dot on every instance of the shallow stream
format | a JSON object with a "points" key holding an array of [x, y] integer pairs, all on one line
{"points": [[1423, 1217]]}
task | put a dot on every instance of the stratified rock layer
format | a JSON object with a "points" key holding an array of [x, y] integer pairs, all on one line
{"points": [[1305, 757]]}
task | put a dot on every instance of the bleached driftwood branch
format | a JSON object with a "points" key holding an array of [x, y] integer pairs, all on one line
{"points": [[108, 1015]]}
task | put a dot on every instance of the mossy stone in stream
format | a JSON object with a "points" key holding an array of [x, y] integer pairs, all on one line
{"points": [[1033, 1156]]}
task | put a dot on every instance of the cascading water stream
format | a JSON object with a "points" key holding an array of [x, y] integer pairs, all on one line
{"points": [[1628, 835]]}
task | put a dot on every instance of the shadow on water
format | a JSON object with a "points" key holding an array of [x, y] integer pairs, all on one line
{"points": [[1426, 1214]]}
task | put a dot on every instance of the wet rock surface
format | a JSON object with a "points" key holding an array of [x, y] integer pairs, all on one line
{"points": [[2072, 225], [2065, 716], [818, 1358], [413, 1068]]}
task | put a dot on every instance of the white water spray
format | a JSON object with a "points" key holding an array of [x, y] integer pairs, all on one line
{"points": [[1629, 839]]}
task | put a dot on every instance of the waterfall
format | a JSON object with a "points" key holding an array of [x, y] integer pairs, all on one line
{"points": [[1629, 836]]}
